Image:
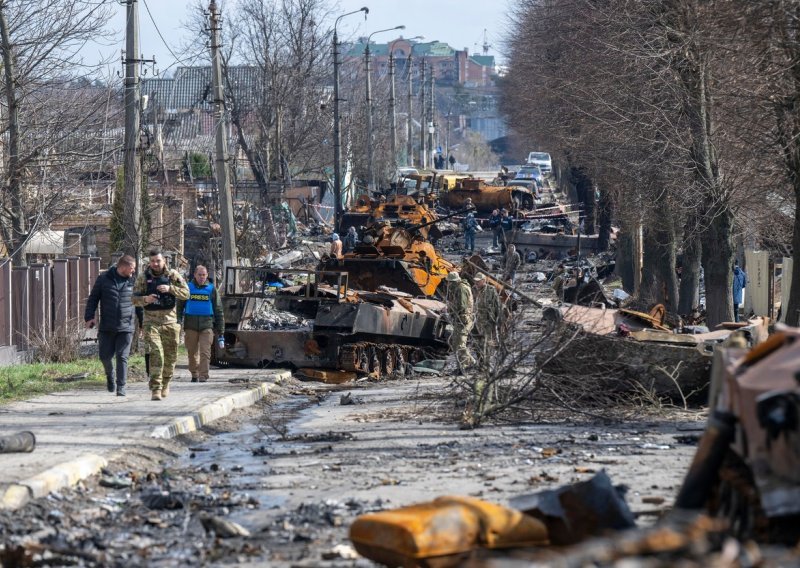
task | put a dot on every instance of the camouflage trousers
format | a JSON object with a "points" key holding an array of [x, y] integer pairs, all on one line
{"points": [[458, 345], [162, 343]]}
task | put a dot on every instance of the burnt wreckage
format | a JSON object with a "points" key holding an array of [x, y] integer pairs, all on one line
{"points": [[312, 319]]}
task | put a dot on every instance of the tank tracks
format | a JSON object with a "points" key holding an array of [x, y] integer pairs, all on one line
{"points": [[383, 359]]}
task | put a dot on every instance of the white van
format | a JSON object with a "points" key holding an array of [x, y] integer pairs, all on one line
{"points": [[541, 159]]}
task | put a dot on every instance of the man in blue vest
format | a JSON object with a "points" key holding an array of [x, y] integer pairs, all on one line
{"points": [[113, 291], [202, 320], [739, 284]]}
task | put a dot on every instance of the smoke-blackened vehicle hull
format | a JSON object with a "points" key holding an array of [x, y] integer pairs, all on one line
{"points": [[326, 326]]}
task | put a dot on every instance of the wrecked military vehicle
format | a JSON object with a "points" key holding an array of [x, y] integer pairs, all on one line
{"points": [[312, 319]]}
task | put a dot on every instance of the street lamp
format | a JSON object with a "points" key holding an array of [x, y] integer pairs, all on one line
{"points": [[392, 101], [370, 170], [337, 135]]}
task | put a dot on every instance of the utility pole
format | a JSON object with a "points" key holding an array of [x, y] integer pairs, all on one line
{"points": [[431, 116], [370, 156], [337, 133], [423, 158], [229, 256], [409, 121], [370, 141], [132, 204], [392, 112]]}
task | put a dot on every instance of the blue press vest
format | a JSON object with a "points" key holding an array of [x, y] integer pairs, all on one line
{"points": [[199, 302]]}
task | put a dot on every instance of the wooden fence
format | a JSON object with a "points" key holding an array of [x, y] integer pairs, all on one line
{"points": [[41, 300]]}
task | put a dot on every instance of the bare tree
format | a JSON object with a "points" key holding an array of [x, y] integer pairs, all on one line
{"points": [[644, 97], [51, 109], [289, 45]]}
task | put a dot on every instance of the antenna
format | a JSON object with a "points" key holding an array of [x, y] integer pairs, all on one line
{"points": [[486, 45]]}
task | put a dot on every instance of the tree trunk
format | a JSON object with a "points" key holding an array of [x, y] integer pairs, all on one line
{"points": [[792, 310], [659, 281], [604, 219], [717, 264], [15, 237], [689, 296], [625, 263]]}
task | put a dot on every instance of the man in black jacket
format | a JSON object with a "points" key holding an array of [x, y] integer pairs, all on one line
{"points": [[113, 290]]}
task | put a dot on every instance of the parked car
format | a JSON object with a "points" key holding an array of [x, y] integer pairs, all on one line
{"points": [[530, 172], [541, 159]]}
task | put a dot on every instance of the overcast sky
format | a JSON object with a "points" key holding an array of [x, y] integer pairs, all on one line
{"points": [[460, 23]]}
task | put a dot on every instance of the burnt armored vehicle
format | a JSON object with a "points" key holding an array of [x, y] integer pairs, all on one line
{"points": [[312, 319], [747, 466], [398, 210], [396, 257]]}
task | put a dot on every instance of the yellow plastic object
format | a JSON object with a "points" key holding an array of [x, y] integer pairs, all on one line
{"points": [[446, 527]]}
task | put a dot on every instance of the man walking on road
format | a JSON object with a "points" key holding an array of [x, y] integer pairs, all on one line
{"points": [[157, 289], [202, 320], [113, 290]]}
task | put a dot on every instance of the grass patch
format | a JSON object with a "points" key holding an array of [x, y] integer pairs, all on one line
{"points": [[19, 382]]}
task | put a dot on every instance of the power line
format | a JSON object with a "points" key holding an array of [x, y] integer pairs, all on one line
{"points": [[164, 41]]}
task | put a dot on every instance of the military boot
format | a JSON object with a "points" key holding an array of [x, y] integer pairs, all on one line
{"points": [[156, 395], [165, 392]]}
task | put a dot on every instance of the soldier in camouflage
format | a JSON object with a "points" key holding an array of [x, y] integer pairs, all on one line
{"points": [[489, 312], [157, 290], [461, 311]]}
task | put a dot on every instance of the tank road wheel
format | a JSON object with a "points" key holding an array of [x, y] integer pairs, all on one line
{"points": [[400, 361], [374, 356], [389, 362], [362, 359]]}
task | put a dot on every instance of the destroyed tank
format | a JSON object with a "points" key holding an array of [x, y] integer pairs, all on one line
{"points": [[401, 210], [485, 198], [314, 320], [747, 466], [396, 258]]}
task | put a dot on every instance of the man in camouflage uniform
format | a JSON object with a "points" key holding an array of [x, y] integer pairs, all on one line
{"points": [[157, 290], [559, 279], [461, 311], [511, 263], [489, 312]]}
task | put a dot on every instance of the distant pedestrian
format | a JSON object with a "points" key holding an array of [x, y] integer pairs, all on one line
{"points": [[350, 240], [511, 264], [506, 227], [202, 320], [739, 284], [494, 226], [157, 290], [113, 291], [559, 281], [336, 246], [452, 161], [470, 228]]}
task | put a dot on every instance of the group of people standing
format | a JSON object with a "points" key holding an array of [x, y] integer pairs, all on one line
{"points": [[479, 308], [164, 304]]}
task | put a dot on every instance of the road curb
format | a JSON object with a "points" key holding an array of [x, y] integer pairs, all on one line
{"points": [[58, 477], [67, 474], [218, 409]]}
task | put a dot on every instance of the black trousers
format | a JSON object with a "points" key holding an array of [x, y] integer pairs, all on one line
{"points": [[115, 345]]}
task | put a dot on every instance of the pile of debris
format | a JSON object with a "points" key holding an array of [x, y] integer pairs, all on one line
{"points": [[267, 317]]}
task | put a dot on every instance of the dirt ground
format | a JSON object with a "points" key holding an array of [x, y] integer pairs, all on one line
{"points": [[295, 471]]}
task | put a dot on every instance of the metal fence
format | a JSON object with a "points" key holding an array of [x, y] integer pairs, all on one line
{"points": [[39, 301]]}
